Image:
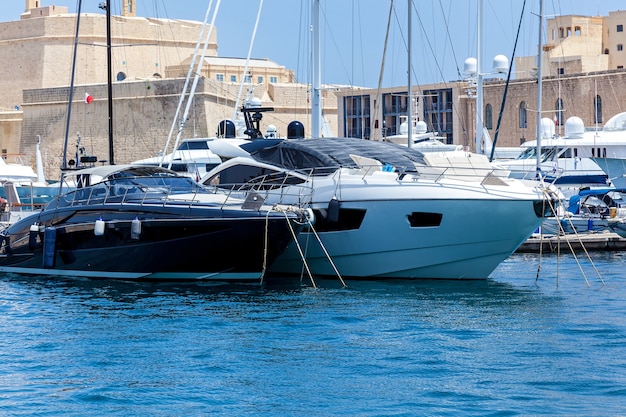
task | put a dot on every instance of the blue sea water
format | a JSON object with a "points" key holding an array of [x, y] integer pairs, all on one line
{"points": [[510, 345]]}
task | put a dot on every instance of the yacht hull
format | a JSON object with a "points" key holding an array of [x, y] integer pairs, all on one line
{"points": [[171, 244], [469, 242]]}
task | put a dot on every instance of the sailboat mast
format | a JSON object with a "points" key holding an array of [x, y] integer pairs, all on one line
{"points": [[316, 109], [409, 86], [479, 81], [109, 83], [539, 87]]}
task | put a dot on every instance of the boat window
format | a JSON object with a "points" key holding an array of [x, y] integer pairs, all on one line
{"points": [[527, 154], [424, 219], [253, 175], [237, 174], [192, 145], [565, 153], [547, 154]]}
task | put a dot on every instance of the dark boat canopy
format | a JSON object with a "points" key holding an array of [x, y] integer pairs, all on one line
{"points": [[335, 152]]}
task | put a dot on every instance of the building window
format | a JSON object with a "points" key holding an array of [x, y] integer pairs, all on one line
{"points": [[357, 117], [522, 115], [561, 33], [259, 80], [559, 112], [219, 77], [620, 28], [620, 67], [121, 76], [488, 116], [233, 78], [606, 51], [597, 109], [273, 80], [620, 47], [247, 79], [577, 31], [561, 71]]}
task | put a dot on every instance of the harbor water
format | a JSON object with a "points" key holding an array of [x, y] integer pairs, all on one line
{"points": [[506, 346]]}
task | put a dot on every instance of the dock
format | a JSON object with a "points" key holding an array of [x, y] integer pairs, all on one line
{"points": [[591, 241]]}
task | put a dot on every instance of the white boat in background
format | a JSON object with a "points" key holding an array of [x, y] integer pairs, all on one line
{"points": [[590, 210], [571, 160], [423, 140], [615, 170], [192, 158]]}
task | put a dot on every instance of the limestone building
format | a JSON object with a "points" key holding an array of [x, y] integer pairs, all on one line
{"points": [[150, 58]]}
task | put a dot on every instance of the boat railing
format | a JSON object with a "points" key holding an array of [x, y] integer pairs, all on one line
{"points": [[185, 192], [463, 169], [277, 187]]}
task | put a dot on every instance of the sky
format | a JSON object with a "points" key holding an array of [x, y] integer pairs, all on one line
{"points": [[353, 32]]}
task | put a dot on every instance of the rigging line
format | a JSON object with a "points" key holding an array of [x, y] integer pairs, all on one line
{"points": [[506, 86], [334, 41], [299, 55], [71, 92], [156, 13], [446, 23], [445, 83], [360, 27], [382, 65], [195, 80], [619, 106], [245, 68], [186, 85]]}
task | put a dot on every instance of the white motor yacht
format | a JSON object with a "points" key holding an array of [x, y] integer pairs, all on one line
{"points": [[388, 211]]}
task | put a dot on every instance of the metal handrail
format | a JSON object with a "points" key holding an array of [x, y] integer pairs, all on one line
{"points": [[131, 191]]}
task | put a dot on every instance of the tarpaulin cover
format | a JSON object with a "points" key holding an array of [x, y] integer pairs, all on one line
{"points": [[335, 152]]}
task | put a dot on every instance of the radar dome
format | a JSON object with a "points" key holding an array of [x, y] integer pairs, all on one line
{"points": [[469, 66], [253, 102], [295, 130], [500, 63], [548, 129], [574, 127], [226, 129], [404, 128], [271, 132], [421, 127]]}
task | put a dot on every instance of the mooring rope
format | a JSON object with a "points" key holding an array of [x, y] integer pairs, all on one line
{"points": [[295, 239], [561, 232], [265, 244]]}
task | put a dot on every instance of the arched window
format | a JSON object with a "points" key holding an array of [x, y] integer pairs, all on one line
{"points": [[522, 115], [121, 76], [488, 116], [559, 112], [597, 109]]}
